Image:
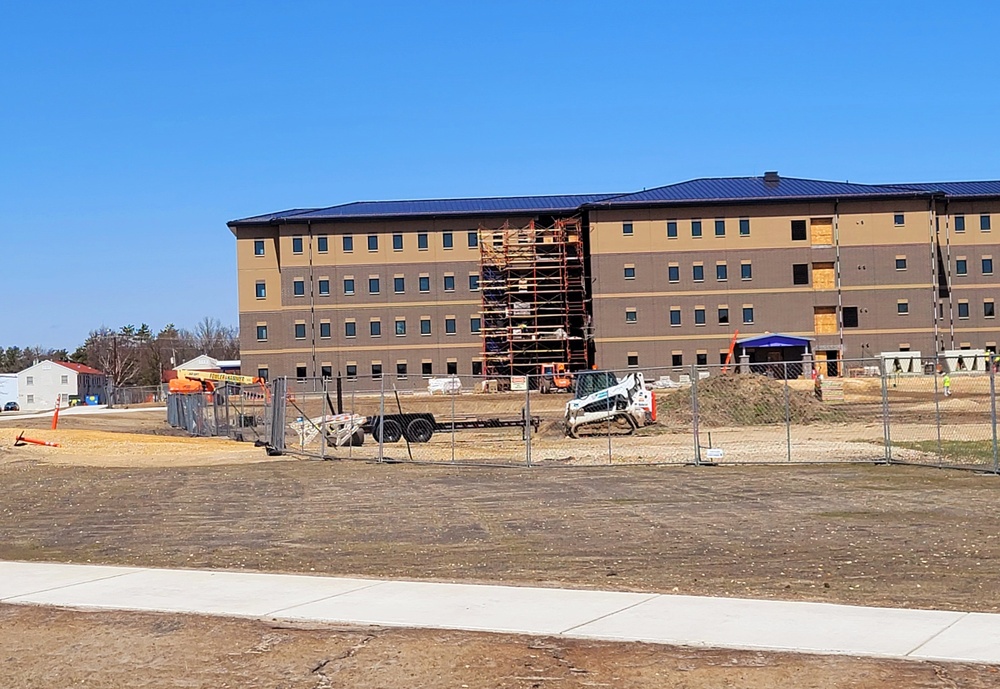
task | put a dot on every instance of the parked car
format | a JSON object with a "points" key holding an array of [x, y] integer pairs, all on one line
{"points": [[11, 406]]}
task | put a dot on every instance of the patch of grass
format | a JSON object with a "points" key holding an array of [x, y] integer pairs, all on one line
{"points": [[955, 451]]}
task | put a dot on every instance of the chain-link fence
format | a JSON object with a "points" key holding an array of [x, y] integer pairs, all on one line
{"points": [[234, 411], [865, 410], [132, 396]]}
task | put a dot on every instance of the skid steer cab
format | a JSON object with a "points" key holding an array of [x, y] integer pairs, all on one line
{"points": [[603, 404]]}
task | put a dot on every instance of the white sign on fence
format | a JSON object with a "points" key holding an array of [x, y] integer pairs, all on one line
{"points": [[519, 383], [714, 453]]}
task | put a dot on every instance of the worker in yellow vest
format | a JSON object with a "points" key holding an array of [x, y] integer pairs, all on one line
{"points": [[947, 385]]}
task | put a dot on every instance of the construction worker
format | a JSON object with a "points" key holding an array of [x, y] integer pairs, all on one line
{"points": [[947, 385]]}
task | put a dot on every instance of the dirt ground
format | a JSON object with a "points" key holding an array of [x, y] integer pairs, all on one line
{"points": [[856, 534]]}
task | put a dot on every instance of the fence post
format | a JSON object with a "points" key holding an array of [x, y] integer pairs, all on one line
{"points": [[993, 417], [322, 426], [527, 420], [788, 415], [381, 418], [694, 415], [454, 393], [937, 415], [886, 426]]}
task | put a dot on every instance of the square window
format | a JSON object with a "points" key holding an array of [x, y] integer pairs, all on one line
{"points": [[989, 309], [474, 282], [262, 373], [898, 219], [398, 285], [31, 399], [698, 273], [627, 228], [425, 283], [477, 368], [902, 308], [258, 247], [448, 240], [376, 371], [451, 368], [633, 360], [375, 328], [963, 310], [675, 316], [984, 222], [324, 288], [850, 316], [350, 329], [426, 369], [696, 228], [746, 271], [348, 242], [261, 334], [348, 285], [676, 360], [721, 272], [373, 242], [744, 227], [748, 314], [961, 267], [322, 244], [261, 290], [352, 370], [901, 263], [475, 324], [630, 272], [425, 326], [300, 331], [296, 245], [671, 229], [449, 283], [300, 372], [673, 273], [959, 223], [800, 274], [987, 266], [326, 370], [397, 242], [373, 286], [422, 241], [723, 315], [324, 330], [699, 316], [401, 370], [631, 316], [701, 359], [473, 238], [400, 327], [299, 288], [798, 230], [450, 327], [720, 228], [63, 380]]}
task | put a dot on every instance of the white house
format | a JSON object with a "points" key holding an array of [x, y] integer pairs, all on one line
{"points": [[40, 385], [8, 388]]}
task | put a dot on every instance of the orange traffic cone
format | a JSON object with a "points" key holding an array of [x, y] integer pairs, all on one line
{"points": [[21, 440], [55, 415]]}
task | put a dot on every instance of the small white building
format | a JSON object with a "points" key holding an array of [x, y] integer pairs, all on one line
{"points": [[39, 386], [8, 388]]}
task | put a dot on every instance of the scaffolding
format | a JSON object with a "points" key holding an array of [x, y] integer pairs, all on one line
{"points": [[534, 297]]}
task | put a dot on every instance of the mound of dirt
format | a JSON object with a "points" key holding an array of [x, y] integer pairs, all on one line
{"points": [[739, 400]]}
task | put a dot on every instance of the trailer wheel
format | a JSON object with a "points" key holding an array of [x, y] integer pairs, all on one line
{"points": [[393, 430], [419, 431], [358, 439]]}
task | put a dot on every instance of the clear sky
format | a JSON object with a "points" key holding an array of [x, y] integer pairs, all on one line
{"points": [[130, 132]]}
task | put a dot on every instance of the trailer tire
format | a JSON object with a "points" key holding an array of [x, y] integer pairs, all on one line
{"points": [[393, 430], [358, 439], [419, 431]]}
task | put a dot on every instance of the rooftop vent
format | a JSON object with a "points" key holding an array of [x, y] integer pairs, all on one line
{"points": [[771, 179]]}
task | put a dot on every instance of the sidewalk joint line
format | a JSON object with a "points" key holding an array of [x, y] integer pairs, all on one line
{"points": [[614, 612], [75, 583], [334, 595], [936, 634]]}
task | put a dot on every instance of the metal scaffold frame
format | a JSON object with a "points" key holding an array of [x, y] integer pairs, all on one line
{"points": [[534, 297]]}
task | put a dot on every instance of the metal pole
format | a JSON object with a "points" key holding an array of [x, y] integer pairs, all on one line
{"points": [[694, 416], [610, 410], [937, 415], [886, 436], [350, 446], [788, 416], [527, 420], [993, 418], [323, 427], [381, 417], [454, 392]]}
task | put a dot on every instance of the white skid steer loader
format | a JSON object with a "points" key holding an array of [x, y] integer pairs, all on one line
{"points": [[605, 404]]}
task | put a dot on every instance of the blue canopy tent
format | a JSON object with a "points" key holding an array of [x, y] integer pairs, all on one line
{"points": [[774, 354]]}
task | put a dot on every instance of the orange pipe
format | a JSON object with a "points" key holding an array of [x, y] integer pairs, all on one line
{"points": [[55, 415], [46, 443]]}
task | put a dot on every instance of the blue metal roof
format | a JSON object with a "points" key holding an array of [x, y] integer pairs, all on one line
{"points": [[958, 189], [774, 340]]}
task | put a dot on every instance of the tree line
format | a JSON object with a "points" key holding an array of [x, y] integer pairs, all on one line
{"points": [[132, 355]]}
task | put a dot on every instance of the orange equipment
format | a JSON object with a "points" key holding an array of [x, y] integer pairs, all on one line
{"points": [[729, 356], [555, 378], [204, 381]]}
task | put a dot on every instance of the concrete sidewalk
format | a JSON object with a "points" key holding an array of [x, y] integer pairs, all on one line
{"points": [[654, 618]]}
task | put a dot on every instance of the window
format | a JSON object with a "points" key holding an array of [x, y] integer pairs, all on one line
{"points": [[748, 314], [397, 242], [961, 266], [375, 328], [984, 222], [448, 240], [348, 243], [723, 315], [959, 223], [673, 273], [261, 290], [701, 359], [376, 371], [963, 310], [352, 370], [989, 310], [373, 286], [296, 245], [696, 228], [64, 380], [850, 316], [299, 288], [744, 230], [449, 283], [300, 371], [326, 370], [475, 324], [473, 238], [800, 273], [426, 369], [630, 272], [422, 241], [631, 316], [901, 263], [633, 360], [348, 285], [300, 331], [401, 370], [31, 399], [350, 329], [720, 228], [324, 330], [373, 242], [400, 327], [898, 220], [987, 265], [324, 287], [262, 373], [399, 284], [425, 326], [671, 229], [258, 247], [451, 368], [477, 368], [627, 228], [425, 283], [746, 271], [449, 326], [902, 307], [676, 360], [474, 282], [699, 316], [698, 272], [675, 317], [721, 272], [322, 244], [798, 230], [261, 335]]}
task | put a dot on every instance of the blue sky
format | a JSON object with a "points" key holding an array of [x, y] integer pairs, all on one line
{"points": [[131, 132]]}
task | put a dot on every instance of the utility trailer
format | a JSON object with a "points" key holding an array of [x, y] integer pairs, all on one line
{"points": [[419, 427]]}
